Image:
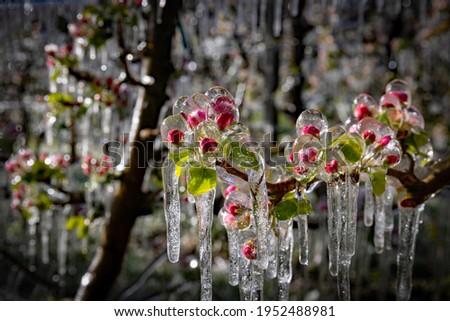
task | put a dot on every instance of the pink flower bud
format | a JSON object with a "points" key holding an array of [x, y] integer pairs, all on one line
{"points": [[102, 170], [230, 189], [208, 145], [234, 209], [175, 136], [391, 159], [308, 156], [291, 158], [300, 170], [332, 166], [362, 111], [10, 166], [369, 136], [311, 130], [196, 117], [249, 250], [384, 141], [224, 120], [229, 221], [223, 104], [401, 96], [25, 154]]}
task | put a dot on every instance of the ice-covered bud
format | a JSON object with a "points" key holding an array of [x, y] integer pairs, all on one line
{"points": [[175, 136], [224, 120], [391, 159], [369, 136], [102, 170], [208, 145], [10, 166], [308, 156], [229, 221], [230, 189], [249, 250], [25, 154], [401, 96], [300, 170], [311, 130], [234, 209], [223, 104], [332, 166], [384, 141], [196, 117], [291, 157], [362, 111]]}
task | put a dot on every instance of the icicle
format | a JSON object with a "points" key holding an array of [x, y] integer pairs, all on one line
{"points": [[46, 225], [294, 8], [234, 253], [32, 229], [378, 238], [260, 202], [369, 204], [171, 209], [272, 244], [285, 249], [159, 11], [205, 205], [262, 15], [389, 216], [334, 224], [409, 219], [344, 282], [62, 240], [302, 221], [254, 27], [278, 18]]}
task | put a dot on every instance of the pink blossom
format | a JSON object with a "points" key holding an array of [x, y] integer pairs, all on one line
{"points": [[311, 130], [401, 96], [300, 170], [384, 141], [196, 117], [208, 145], [224, 120], [332, 166], [308, 156], [362, 111], [223, 104], [369, 136], [230, 189], [175, 136], [391, 159], [229, 221], [249, 250], [234, 209]]}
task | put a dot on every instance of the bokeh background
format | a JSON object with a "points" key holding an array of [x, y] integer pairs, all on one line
{"points": [[277, 61]]}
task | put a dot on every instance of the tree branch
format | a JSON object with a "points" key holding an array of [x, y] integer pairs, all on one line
{"points": [[418, 191]]}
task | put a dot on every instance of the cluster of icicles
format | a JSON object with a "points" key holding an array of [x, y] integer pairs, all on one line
{"points": [[260, 244]]}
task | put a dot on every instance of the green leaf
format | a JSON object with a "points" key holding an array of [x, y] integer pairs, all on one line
{"points": [[74, 222], [181, 156], [421, 139], [290, 207], [241, 156], [201, 180], [350, 146], [378, 182]]}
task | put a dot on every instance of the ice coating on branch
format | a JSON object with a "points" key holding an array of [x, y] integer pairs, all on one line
{"points": [[272, 244], [205, 204], [171, 209], [409, 219], [285, 251]]}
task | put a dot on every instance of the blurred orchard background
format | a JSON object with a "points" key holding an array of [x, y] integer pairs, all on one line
{"points": [[278, 57]]}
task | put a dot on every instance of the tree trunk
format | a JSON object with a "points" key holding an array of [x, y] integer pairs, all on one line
{"points": [[107, 263]]}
